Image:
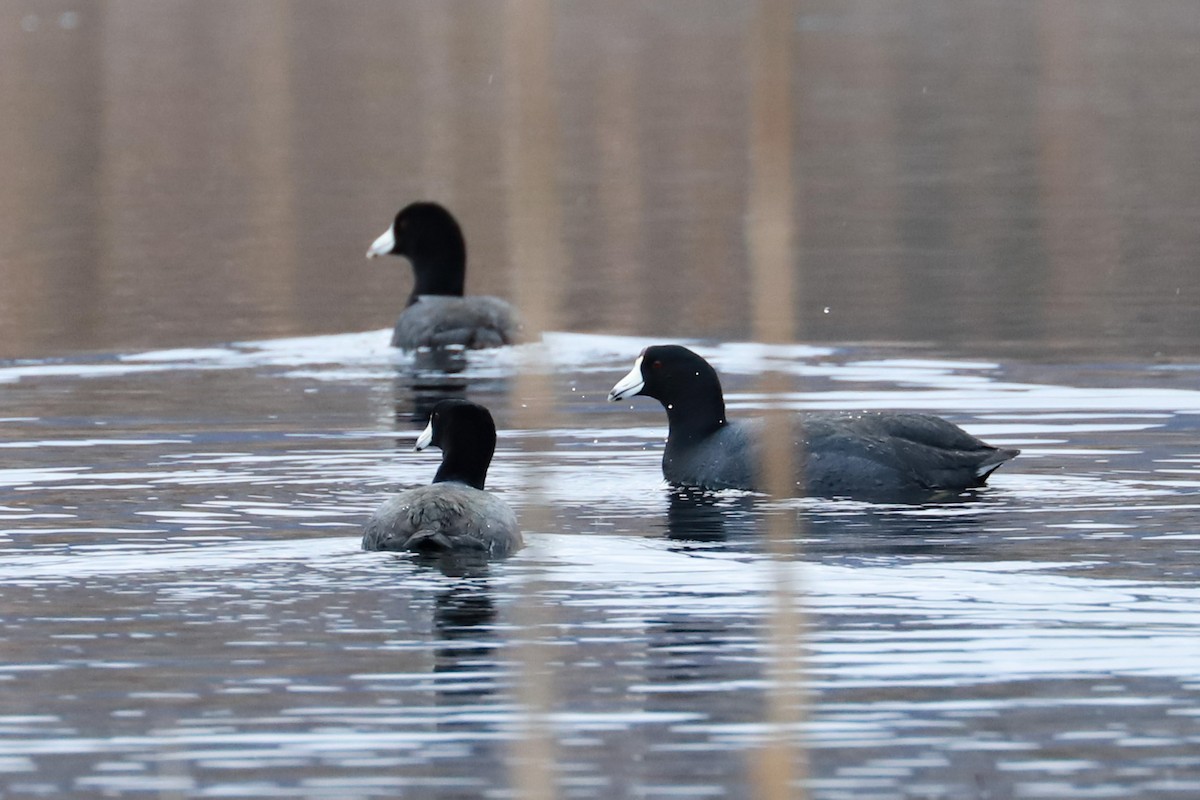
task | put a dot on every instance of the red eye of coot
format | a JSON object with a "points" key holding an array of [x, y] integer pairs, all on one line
{"points": [[657, 365]]}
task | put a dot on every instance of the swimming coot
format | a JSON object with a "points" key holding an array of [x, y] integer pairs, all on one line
{"points": [[864, 455], [454, 514], [437, 314]]}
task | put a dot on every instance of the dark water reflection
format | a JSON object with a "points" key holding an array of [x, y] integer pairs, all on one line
{"points": [[996, 203]]}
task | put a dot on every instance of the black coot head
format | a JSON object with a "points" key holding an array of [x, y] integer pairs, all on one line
{"points": [[424, 230], [429, 237], [466, 434], [667, 372], [421, 231]]}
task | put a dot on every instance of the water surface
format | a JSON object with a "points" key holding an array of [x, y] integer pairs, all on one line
{"points": [[187, 610], [993, 214]]}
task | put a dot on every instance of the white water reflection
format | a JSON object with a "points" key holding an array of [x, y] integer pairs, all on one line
{"points": [[965, 387]]}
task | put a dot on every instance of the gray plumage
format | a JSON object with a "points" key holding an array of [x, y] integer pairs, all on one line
{"points": [[474, 322], [867, 455], [444, 517]]}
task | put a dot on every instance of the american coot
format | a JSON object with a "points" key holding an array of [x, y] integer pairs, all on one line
{"points": [[437, 314], [865, 455], [453, 514]]}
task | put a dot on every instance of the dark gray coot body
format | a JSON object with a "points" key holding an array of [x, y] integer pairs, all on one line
{"points": [[442, 518], [441, 321], [438, 314], [865, 455], [453, 514]]}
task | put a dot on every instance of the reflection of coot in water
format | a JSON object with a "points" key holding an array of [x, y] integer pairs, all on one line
{"points": [[454, 514], [463, 608], [950, 527], [958, 527], [864, 455], [704, 516], [437, 314], [417, 392], [433, 376], [447, 360], [463, 623]]}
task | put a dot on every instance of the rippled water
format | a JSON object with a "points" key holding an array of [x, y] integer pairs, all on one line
{"points": [[187, 611], [1004, 196]]}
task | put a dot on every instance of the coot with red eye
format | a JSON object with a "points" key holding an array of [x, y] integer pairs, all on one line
{"points": [[437, 314], [864, 455], [454, 514]]}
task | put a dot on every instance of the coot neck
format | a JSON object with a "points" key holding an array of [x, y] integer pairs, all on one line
{"points": [[466, 462], [695, 413], [441, 273]]}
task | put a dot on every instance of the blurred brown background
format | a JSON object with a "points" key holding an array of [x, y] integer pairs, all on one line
{"points": [[986, 177]]}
